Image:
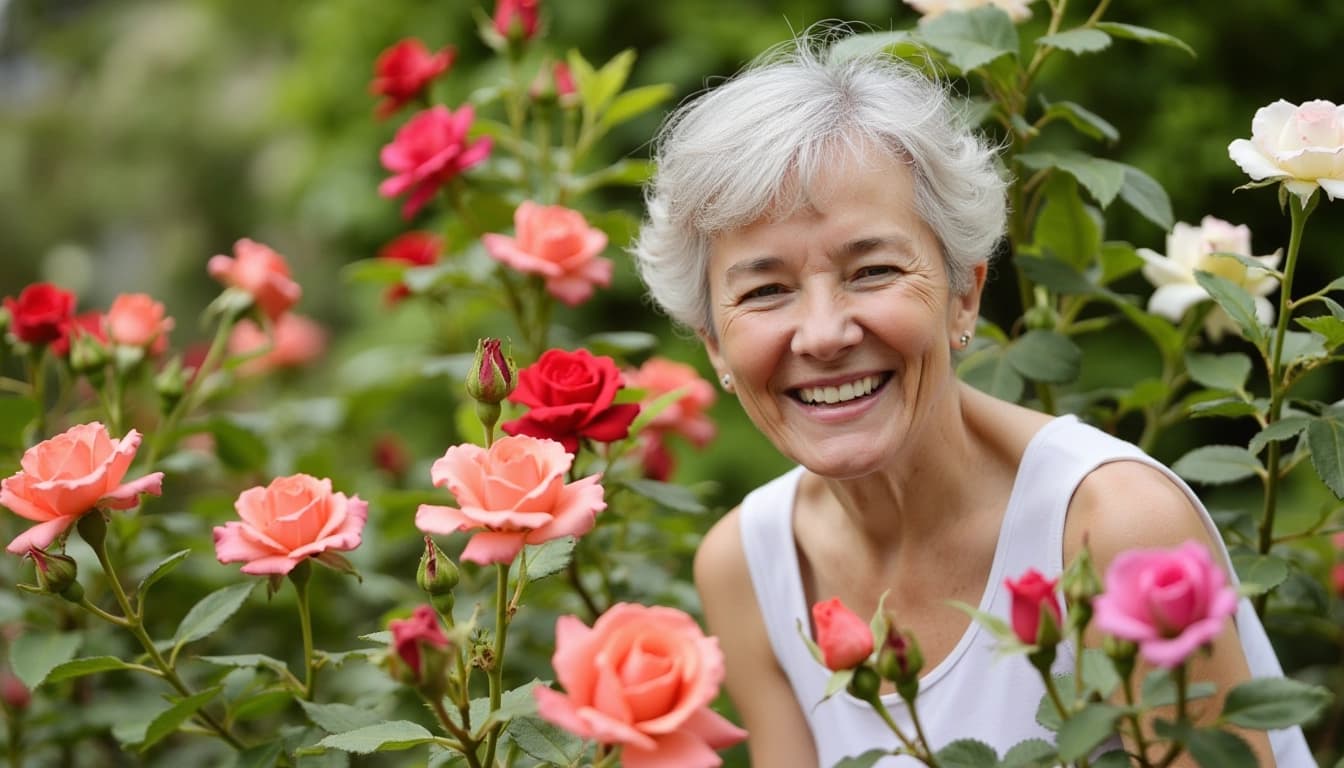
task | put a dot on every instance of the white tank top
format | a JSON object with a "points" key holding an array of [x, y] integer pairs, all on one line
{"points": [[971, 693]]}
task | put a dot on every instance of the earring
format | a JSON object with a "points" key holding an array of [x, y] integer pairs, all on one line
{"points": [[965, 340], [726, 380]]}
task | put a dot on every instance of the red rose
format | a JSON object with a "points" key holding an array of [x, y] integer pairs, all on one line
{"points": [[40, 314], [1030, 592], [418, 249], [427, 152], [84, 324], [404, 70], [571, 395]]}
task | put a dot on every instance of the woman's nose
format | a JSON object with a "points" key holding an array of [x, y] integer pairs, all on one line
{"points": [[825, 326]]}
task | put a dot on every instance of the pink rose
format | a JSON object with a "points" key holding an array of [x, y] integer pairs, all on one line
{"points": [[1169, 601], [40, 314], [845, 640], [404, 70], [295, 341], [556, 243], [412, 637], [1303, 146], [514, 493], [137, 320], [1030, 592], [654, 457], [259, 271], [686, 415], [427, 152], [522, 13], [643, 678], [70, 475], [84, 324], [418, 249], [292, 518]]}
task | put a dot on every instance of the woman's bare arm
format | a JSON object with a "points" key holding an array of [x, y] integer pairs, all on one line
{"points": [[778, 733]]}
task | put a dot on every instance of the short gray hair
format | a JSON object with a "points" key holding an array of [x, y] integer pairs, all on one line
{"points": [[755, 143]]}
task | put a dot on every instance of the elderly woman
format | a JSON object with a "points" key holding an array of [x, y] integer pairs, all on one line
{"points": [[824, 224]]}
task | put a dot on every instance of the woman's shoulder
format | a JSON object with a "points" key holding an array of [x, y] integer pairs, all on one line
{"points": [[1124, 505]]}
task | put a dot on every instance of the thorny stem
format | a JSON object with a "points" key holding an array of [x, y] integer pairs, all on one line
{"points": [[496, 673], [467, 744], [920, 750]]}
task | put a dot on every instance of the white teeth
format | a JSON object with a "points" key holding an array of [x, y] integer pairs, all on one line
{"points": [[843, 393]]}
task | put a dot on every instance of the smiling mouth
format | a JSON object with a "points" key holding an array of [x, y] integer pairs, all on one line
{"points": [[844, 393]]}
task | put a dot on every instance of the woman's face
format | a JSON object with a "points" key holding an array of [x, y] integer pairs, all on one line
{"points": [[836, 322]]}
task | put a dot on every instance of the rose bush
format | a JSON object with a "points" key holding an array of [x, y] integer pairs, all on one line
{"points": [[642, 678], [556, 243], [286, 522], [70, 475], [514, 493], [571, 395]]}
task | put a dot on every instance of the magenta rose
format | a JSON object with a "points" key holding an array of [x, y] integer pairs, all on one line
{"points": [[1169, 601], [427, 152], [571, 395]]}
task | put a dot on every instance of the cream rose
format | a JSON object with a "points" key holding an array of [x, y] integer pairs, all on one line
{"points": [[1302, 145]]}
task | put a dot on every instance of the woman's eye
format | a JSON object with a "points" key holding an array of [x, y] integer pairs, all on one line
{"points": [[876, 270], [764, 291]]}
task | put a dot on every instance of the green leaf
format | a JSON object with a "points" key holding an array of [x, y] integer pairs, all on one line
{"points": [[607, 82], [265, 755], [86, 666], [1099, 673], [339, 718], [1300, 347], [383, 737], [164, 567], [1259, 573], [1228, 372], [994, 624], [866, 43], [650, 411], [546, 742], [248, 661], [1054, 273], [375, 271], [866, 760], [1086, 729], [669, 495], [838, 681], [1285, 428], [16, 413], [990, 372], [1168, 340], [1226, 406], [239, 449], [1077, 41], [1047, 356], [1065, 228], [1084, 120], [1237, 303], [1329, 327], [1116, 758], [1143, 35], [1142, 193], [1102, 178], [1159, 690], [1325, 438], [35, 654], [173, 717], [1218, 464], [549, 558], [621, 343], [211, 612], [808, 641], [967, 753], [636, 102], [972, 39], [1032, 753], [1216, 748]]}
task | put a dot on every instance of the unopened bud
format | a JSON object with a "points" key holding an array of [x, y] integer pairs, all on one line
{"points": [[493, 374], [900, 661], [1122, 653], [1041, 317], [170, 383], [13, 692], [1047, 630], [88, 355], [865, 683], [437, 576], [57, 574]]}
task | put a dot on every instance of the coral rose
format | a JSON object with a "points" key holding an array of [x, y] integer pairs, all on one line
{"points": [[1301, 145], [686, 415], [70, 475], [40, 314], [261, 272], [137, 320], [556, 243], [1030, 592], [514, 493], [414, 638], [404, 70], [427, 152], [292, 518], [641, 677], [845, 640], [295, 341], [418, 249], [1191, 248], [1169, 601], [571, 395]]}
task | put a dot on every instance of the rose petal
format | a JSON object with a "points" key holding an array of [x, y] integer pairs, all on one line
{"points": [[490, 547], [41, 535], [672, 750], [128, 495]]}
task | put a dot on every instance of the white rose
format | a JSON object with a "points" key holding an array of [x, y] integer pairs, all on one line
{"points": [[1303, 146], [1191, 248], [1017, 10]]}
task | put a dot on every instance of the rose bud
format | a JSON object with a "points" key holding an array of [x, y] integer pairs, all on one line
{"points": [[88, 356], [1033, 595], [13, 693], [900, 661], [493, 373], [171, 383], [1081, 583], [865, 684], [845, 639], [419, 651], [57, 574], [437, 576]]}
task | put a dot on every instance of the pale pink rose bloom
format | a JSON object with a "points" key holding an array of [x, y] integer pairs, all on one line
{"points": [[556, 243], [292, 518], [137, 320], [514, 493], [685, 416], [1017, 10], [1303, 146], [260, 271], [1191, 248], [70, 475], [1169, 601], [296, 341], [641, 677]]}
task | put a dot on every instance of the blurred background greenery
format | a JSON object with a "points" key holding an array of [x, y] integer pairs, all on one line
{"points": [[140, 137]]}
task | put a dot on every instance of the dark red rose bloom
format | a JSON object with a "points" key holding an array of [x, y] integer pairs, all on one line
{"points": [[40, 314], [404, 70], [419, 249], [571, 396]]}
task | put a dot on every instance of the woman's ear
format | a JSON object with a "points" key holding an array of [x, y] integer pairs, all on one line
{"points": [[711, 343], [966, 307]]}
